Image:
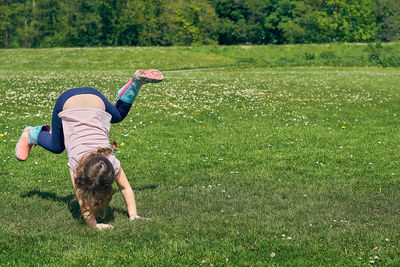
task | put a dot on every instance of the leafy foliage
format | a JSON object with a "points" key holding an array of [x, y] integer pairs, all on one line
{"points": [[50, 23], [383, 55]]}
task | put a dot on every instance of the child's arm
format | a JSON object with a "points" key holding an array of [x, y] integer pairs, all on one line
{"points": [[128, 194], [89, 218]]}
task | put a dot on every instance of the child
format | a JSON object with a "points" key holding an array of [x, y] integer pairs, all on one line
{"points": [[81, 123]]}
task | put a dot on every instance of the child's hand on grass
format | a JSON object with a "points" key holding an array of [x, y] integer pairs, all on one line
{"points": [[138, 218], [102, 226]]}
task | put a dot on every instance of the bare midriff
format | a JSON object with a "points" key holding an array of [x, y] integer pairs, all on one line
{"points": [[84, 101]]}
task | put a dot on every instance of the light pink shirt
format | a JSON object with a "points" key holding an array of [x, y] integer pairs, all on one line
{"points": [[86, 130]]}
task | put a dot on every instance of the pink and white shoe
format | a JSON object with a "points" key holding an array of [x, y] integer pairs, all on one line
{"points": [[29, 138], [23, 147], [149, 76]]}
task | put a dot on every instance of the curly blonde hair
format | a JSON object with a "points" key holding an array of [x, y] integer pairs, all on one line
{"points": [[94, 177]]}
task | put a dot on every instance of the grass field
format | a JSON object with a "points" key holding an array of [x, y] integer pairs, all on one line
{"points": [[178, 58], [236, 167]]}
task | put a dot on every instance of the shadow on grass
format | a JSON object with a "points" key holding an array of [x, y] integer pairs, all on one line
{"points": [[73, 205]]}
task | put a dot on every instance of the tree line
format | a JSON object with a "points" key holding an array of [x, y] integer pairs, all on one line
{"points": [[78, 23]]}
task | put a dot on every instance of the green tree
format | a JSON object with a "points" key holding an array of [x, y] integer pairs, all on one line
{"points": [[254, 21], [139, 23], [354, 19], [388, 20], [44, 22], [79, 24], [49, 23], [190, 22], [108, 11], [19, 27], [301, 23], [242, 21], [331, 20], [5, 23]]}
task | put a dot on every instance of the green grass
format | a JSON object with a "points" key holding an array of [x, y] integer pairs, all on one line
{"points": [[172, 58], [238, 166]]}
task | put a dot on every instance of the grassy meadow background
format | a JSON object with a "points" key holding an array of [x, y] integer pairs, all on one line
{"points": [[242, 156]]}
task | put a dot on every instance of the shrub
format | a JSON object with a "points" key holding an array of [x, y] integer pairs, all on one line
{"points": [[309, 56], [328, 54], [381, 55]]}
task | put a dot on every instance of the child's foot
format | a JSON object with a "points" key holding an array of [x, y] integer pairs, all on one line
{"points": [[149, 76], [23, 147], [129, 92]]}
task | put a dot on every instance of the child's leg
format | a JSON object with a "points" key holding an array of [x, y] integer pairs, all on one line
{"points": [[118, 111], [41, 135], [127, 94], [53, 141]]}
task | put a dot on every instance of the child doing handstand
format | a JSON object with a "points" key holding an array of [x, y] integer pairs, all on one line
{"points": [[80, 124]]}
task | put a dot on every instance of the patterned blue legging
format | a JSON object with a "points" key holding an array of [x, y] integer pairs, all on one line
{"points": [[54, 141]]}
